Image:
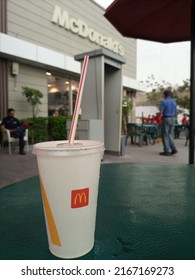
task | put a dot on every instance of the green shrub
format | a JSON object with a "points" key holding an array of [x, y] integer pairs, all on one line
{"points": [[43, 129], [57, 127], [38, 129]]}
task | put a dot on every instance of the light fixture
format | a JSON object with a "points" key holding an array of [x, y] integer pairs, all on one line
{"points": [[48, 73]]}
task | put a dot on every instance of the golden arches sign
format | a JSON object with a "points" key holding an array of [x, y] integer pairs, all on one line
{"points": [[80, 198]]}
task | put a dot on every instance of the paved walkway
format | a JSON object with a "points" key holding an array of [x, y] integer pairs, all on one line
{"points": [[15, 167]]}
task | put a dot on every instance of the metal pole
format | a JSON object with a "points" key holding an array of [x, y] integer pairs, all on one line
{"points": [[192, 88]]}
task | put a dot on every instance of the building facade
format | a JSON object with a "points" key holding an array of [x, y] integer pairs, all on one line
{"points": [[38, 42]]}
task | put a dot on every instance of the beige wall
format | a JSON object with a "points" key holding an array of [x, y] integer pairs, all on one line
{"points": [[31, 21], [30, 77]]}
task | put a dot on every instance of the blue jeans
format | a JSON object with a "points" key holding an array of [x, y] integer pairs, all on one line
{"points": [[19, 133], [167, 134]]}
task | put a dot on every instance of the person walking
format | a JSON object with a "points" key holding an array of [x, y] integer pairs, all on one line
{"points": [[168, 110]]}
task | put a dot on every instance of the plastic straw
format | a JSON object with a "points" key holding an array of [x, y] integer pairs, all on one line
{"points": [[78, 102]]}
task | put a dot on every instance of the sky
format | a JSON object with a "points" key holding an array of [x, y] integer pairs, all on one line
{"points": [[166, 62]]}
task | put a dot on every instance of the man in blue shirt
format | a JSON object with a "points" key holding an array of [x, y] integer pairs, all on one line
{"points": [[168, 110], [15, 128]]}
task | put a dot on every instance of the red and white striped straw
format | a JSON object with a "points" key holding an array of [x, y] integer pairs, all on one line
{"points": [[78, 102]]}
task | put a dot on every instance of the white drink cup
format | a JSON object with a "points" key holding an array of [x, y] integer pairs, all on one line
{"points": [[69, 179]]}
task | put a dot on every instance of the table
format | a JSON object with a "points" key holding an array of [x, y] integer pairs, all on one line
{"points": [[144, 132], [145, 211], [154, 130]]}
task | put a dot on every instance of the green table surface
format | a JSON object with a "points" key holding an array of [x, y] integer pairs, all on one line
{"points": [[145, 211]]}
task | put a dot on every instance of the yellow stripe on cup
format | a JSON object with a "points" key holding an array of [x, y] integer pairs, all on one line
{"points": [[50, 219]]}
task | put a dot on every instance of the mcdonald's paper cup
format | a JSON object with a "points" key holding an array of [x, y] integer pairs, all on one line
{"points": [[69, 178]]}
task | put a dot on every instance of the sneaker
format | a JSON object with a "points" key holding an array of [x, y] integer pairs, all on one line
{"points": [[174, 152], [22, 153], [164, 154]]}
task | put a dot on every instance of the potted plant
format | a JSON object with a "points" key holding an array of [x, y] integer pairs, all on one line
{"points": [[33, 97], [127, 106]]}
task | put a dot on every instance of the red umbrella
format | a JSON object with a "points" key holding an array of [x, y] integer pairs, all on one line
{"points": [[165, 21]]}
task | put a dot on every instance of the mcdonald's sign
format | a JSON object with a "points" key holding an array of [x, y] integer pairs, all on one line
{"points": [[80, 198]]}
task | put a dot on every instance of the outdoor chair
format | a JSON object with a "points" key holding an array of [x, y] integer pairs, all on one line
{"points": [[135, 131], [153, 132], [187, 134], [177, 130], [6, 137], [131, 133]]}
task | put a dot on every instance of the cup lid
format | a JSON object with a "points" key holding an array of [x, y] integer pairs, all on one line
{"points": [[64, 148]]}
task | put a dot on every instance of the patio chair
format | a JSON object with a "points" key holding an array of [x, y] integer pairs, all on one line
{"points": [[135, 131], [187, 134], [6, 137], [177, 130], [153, 132], [131, 133]]}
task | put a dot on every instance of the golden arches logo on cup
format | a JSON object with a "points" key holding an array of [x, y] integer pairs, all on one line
{"points": [[80, 198]]}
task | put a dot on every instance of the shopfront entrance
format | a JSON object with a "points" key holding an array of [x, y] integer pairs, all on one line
{"points": [[102, 98]]}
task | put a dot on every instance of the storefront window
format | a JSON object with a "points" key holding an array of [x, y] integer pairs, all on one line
{"points": [[75, 87], [62, 94]]}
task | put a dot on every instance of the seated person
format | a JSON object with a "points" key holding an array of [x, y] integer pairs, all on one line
{"points": [[148, 120], [17, 130], [184, 120], [158, 118]]}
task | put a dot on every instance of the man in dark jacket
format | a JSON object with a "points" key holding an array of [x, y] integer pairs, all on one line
{"points": [[15, 128]]}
